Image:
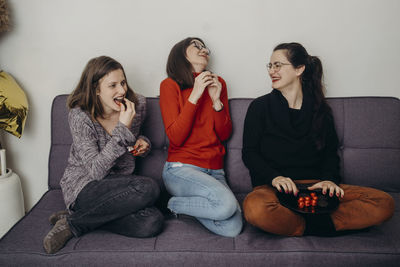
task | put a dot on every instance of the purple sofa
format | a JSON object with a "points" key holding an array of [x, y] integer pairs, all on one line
{"points": [[369, 133]]}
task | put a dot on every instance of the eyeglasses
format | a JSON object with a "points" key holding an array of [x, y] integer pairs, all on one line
{"points": [[276, 66], [200, 46]]}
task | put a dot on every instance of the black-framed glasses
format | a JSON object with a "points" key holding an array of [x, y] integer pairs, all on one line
{"points": [[276, 66], [200, 46]]}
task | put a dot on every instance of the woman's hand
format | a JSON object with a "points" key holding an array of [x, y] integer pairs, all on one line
{"points": [[214, 89], [126, 115], [140, 147], [328, 185], [286, 184], [200, 83]]}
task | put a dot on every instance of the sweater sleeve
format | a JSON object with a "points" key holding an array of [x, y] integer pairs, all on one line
{"points": [[97, 163], [222, 119], [260, 171], [178, 121], [331, 163]]}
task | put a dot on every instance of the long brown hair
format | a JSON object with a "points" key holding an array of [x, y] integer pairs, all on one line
{"points": [[311, 80], [178, 67], [85, 93]]}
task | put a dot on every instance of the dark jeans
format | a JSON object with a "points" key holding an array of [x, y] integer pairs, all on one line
{"points": [[121, 204]]}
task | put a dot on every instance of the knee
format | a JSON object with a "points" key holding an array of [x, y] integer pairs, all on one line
{"points": [[384, 207], [253, 207], [152, 222], [153, 188], [377, 204], [225, 204], [271, 217], [149, 188], [234, 227]]}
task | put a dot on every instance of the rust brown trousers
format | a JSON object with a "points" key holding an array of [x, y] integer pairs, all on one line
{"points": [[360, 207]]}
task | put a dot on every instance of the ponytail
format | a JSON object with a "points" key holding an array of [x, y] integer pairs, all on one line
{"points": [[312, 82]]}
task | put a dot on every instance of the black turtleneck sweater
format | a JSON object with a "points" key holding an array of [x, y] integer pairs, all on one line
{"points": [[278, 141]]}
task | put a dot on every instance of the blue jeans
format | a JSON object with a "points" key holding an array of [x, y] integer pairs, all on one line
{"points": [[204, 194]]}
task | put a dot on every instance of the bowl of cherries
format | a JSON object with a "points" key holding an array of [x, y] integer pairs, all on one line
{"points": [[309, 201]]}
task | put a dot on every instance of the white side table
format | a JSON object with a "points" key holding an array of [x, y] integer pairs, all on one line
{"points": [[11, 201]]}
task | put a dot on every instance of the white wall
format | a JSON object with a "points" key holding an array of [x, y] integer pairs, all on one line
{"points": [[51, 41]]}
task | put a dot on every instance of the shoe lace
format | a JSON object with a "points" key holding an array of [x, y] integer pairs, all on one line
{"points": [[59, 227]]}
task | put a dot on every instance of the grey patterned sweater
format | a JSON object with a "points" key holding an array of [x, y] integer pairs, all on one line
{"points": [[94, 153]]}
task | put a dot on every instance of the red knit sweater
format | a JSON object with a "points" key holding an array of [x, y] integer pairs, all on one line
{"points": [[195, 132]]}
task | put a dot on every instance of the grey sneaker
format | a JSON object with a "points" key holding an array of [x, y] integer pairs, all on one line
{"points": [[57, 237], [57, 216]]}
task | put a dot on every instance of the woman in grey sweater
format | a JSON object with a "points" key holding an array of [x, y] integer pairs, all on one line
{"points": [[98, 185]]}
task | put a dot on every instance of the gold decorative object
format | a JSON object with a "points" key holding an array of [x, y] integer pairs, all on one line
{"points": [[13, 105]]}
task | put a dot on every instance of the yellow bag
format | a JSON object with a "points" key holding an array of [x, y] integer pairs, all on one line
{"points": [[13, 105]]}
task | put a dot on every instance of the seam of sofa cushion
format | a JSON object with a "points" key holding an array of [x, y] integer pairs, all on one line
{"points": [[202, 252]]}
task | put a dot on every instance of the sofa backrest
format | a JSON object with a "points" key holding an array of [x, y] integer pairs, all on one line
{"points": [[368, 130]]}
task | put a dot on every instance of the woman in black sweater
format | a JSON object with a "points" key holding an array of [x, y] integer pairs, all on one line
{"points": [[290, 138]]}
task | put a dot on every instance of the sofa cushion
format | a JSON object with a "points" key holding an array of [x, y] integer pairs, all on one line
{"points": [[371, 142], [185, 242], [237, 174]]}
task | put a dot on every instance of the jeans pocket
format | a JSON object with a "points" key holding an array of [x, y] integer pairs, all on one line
{"points": [[167, 173], [176, 164], [219, 172], [171, 165]]}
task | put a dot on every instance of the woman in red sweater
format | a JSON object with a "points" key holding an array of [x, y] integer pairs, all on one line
{"points": [[194, 107]]}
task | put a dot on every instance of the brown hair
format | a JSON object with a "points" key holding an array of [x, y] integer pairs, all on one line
{"points": [[178, 67], [311, 80], [85, 94]]}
